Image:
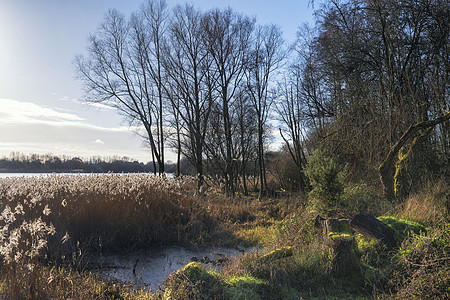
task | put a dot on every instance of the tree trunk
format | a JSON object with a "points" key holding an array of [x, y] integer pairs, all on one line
{"points": [[387, 168], [260, 165], [229, 185], [178, 152], [244, 178], [199, 169]]}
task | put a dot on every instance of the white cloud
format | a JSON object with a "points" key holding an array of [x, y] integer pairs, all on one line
{"points": [[100, 104], [27, 113], [30, 128], [104, 105], [14, 111]]}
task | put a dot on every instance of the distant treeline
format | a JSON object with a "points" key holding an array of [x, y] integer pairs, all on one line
{"points": [[42, 163]]}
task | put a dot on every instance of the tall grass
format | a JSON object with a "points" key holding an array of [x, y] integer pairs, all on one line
{"points": [[98, 212], [430, 206], [61, 218], [57, 220], [49, 224]]}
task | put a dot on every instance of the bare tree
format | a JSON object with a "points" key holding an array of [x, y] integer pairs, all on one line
{"points": [[381, 66], [266, 56], [227, 36], [121, 72], [188, 63], [149, 27], [112, 76], [290, 110], [246, 135]]}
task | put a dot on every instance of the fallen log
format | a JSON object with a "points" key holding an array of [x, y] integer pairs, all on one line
{"points": [[373, 228]]}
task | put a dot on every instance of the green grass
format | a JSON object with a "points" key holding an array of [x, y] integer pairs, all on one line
{"points": [[403, 227]]}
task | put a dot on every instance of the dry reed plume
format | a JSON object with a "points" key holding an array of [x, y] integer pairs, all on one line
{"points": [[58, 220], [62, 214]]}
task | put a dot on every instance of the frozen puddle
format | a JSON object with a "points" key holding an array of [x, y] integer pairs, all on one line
{"points": [[151, 268]]}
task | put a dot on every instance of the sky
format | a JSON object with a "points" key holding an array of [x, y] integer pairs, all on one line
{"points": [[41, 103]]}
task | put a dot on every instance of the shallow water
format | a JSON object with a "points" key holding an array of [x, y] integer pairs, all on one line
{"points": [[153, 267]]}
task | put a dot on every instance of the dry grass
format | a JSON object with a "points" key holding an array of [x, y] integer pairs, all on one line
{"points": [[60, 220], [49, 224], [96, 211], [114, 212], [430, 207], [62, 283]]}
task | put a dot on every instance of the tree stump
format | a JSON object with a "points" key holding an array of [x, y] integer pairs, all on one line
{"points": [[344, 260], [343, 248]]}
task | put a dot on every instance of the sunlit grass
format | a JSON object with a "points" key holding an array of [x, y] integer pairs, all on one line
{"points": [[430, 206], [49, 226], [106, 212], [63, 220]]}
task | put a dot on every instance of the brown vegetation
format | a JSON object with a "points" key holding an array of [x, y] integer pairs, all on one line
{"points": [[50, 224]]}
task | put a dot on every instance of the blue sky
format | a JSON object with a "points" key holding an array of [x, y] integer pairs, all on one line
{"points": [[41, 110]]}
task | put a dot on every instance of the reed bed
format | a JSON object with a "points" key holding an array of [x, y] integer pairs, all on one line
{"points": [[61, 215], [61, 221]]}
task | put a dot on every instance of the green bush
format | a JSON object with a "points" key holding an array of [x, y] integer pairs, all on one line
{"points": [[363, 198], [327, 178]]}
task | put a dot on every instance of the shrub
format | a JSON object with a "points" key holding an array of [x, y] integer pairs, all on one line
{"points": [[327, 178], [363, 198], [421, 270], [286, 171]]}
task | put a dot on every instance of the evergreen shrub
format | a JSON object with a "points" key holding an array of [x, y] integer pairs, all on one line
{"points": [[327, 179]]}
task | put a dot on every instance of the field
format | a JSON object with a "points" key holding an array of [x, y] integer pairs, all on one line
{"points": [[51, 226]]}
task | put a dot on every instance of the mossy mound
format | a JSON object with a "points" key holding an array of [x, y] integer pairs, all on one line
{"points": [[196, 282], [192, 281], [244, 287], [402, 228], [196, 272], [276, 254]]}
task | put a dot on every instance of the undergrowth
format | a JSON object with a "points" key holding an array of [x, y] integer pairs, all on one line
{"points": [[50, 225]]}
